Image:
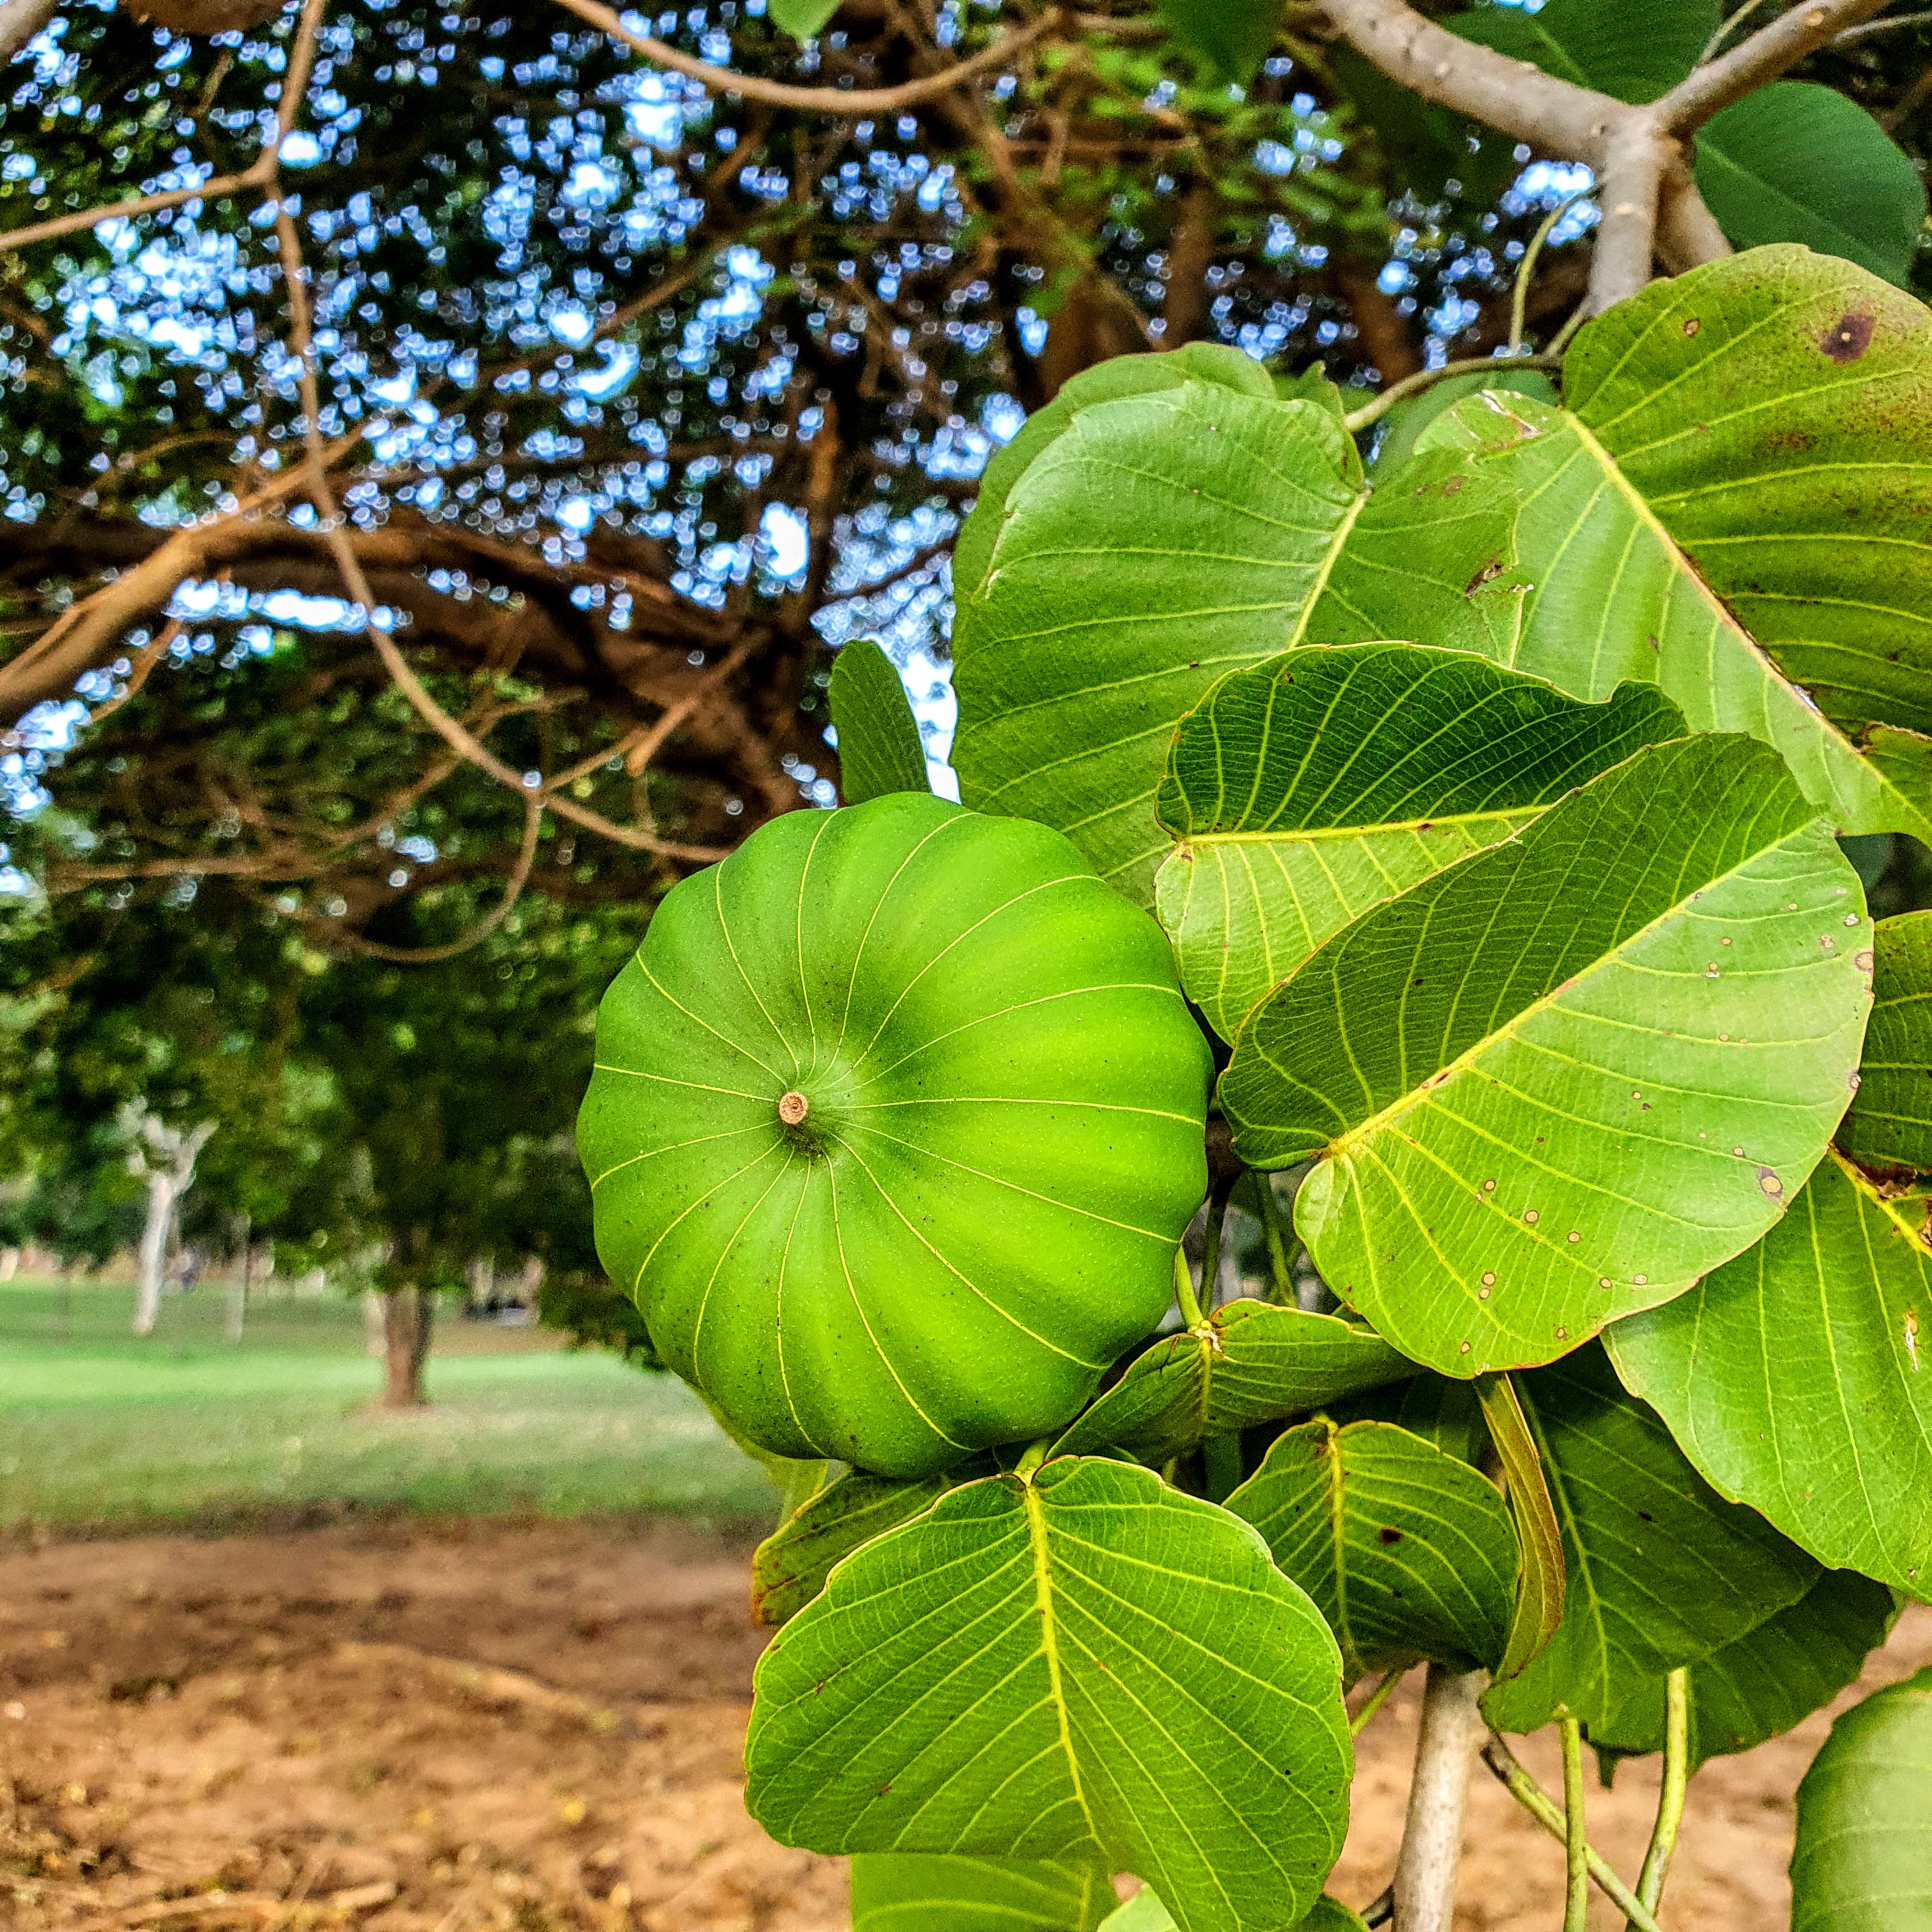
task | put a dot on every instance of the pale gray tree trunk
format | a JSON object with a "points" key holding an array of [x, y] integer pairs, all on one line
{"points": [[164, 1157], [1432, 1839], [153, 1251], [375, 1338]]}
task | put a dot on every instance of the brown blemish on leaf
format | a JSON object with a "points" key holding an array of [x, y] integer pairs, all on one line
{"points": [[1386, 1535], [1848, 338], [1692, 324], [1770, 1183]]}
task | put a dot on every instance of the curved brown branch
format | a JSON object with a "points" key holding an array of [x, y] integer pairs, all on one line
{"points": [[839, 100], [513, 890]]}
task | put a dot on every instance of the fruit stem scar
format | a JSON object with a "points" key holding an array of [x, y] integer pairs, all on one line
{"points": [[793, 1107]]}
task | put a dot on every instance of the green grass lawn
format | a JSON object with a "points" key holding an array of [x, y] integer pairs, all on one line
{"points": [[99, 1429]]}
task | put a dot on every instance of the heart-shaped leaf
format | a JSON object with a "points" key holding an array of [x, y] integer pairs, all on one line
{"points": [[897, 1119], [1303, 790], [1775, 1676], [789, 1568], [1249, 1364], [911, 1891], [879, 748], [1729, 506], [1021, 1672], [1162, 540], [1407, 1552], [1890, 1125], [1863, 1861], [1796, 162], [1561, 1080], [1798, 1379], [1661, 1571]]}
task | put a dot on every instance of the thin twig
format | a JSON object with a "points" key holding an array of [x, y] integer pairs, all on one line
{"points": [[1379, 405], [1723, 33], [513, 890], [1377, 1697], [1526, 268], [1872, 27], [846, 102], [1547, 1813], [150, 655], [1670, 1797], [260, 173]]}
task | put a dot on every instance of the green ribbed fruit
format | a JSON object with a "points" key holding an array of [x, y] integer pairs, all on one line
{"points": [[896, 1121]]}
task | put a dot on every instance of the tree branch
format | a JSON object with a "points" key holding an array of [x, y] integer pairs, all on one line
{"points": [[1630, 186], [839, 100], [1516, 96], [261, 173], [1769, 53], [20, 20]]}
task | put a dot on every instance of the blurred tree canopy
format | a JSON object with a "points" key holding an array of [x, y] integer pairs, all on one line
{"points": [[441, 449]]}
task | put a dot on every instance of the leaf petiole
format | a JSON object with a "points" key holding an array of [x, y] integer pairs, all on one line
{"points": [[1183, 1291], [1670, 1798], [1377, 1697], [1576, 1849], [1547, 1813]]}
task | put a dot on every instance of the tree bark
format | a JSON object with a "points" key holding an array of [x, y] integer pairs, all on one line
{"points": [[408, 1316], [20, 20], [1432, 1839], [153, 1254]]}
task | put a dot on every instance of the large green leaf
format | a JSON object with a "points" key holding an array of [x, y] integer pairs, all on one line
{"points": [[1085, 1665], [1407, 1551], [1890, 1125], [1661, 1571], [1559, 1082], [1798, 1379], [913, 1891], [1773, 1676], [879, 748], [789, 1568], [1210, 362], [1635, 50], [1233, 36], [1745, 451], [1863, 1861], [895, 1122], [1303, 790], [1162, 540], [1796, 162], [1249, 1362]]}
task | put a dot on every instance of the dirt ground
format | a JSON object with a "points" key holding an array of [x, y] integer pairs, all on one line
{"points": [[494, 1727]]}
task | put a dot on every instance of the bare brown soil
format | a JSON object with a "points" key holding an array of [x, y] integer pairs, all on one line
{"points": [[493, 1727]]}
